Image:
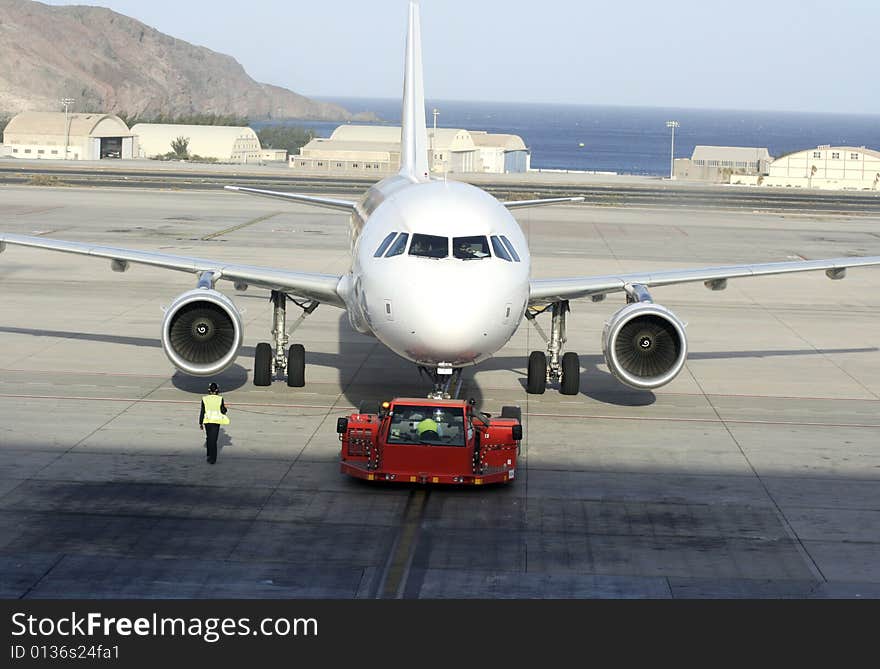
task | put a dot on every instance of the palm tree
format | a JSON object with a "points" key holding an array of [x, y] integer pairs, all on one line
{"points": [[180, 147]]}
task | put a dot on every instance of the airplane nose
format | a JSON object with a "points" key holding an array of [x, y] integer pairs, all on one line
{"points": [[446, 312], [455, 328]]}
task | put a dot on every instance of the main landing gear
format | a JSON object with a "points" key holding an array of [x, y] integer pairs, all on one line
{"points": [[553, 366], [288, 362]]}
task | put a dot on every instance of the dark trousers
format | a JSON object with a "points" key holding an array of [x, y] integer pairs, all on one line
{"points": [[212, 431]]}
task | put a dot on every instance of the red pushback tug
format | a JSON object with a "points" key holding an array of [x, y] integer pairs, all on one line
{"points": [[431, 441]]}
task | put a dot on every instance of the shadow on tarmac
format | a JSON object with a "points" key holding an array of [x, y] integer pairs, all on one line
{"points": [[360, 356]]}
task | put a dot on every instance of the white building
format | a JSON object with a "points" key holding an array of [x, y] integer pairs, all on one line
{"points": [[273, 155], [368, 149], [718, 163], [46, 135], [501, 154], [827, 167], [228, 144], [351, 149]]}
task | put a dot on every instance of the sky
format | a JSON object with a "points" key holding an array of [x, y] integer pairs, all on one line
{"points": [[781, 55]]}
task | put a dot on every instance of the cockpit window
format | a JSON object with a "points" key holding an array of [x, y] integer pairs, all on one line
{"points": [[399, 245], [470, 248], [500, 250], [429, 246], [510, 248], [384, 245]]}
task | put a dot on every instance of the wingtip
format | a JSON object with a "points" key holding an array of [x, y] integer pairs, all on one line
{"points": [[231, 188]]}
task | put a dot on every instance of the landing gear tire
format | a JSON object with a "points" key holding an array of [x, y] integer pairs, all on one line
{"points": [[263, 365], [296, 366], [512, 412], [571, 374], [536, 382]]}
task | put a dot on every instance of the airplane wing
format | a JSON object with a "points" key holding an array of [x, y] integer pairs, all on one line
{"points": [[349, 206], [320, 287], [314, 200], [522, 204], [715, 278]]}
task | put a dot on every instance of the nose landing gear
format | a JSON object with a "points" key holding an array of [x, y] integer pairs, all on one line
{"points": [[553, 366], [445, 386]]}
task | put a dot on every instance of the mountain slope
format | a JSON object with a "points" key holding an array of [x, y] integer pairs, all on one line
{"points": [[110, 62]]}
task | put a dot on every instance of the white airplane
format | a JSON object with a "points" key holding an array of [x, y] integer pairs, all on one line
{"points": [[421, 249]]}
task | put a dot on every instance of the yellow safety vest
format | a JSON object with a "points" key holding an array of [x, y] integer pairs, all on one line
{"points": [[212, 410], [425, 425]]}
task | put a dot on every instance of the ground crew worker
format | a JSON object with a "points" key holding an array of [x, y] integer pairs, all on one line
{"points": [[211, 416], [427, 425]]}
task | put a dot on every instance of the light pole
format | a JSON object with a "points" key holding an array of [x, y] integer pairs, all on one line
{"points": [[66, 102], [673, 125], [436, 113]]}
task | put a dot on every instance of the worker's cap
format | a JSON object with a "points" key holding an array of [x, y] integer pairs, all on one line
{"points": [[213, 388]]}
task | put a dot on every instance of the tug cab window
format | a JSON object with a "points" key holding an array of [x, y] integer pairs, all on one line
{"points": [[510, 248], [429, 246], [470, 248], [427, 426], [384, 245], [500, 250], [399, 245]]}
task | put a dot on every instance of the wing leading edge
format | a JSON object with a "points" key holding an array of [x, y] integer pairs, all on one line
{"points": [[320, 287], [552, 290], [522, 204], [314, 200]]}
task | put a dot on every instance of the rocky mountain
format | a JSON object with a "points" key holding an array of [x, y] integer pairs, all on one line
{"points": [[110, 62]]}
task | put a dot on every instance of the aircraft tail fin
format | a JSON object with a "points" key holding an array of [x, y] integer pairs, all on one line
{"points": [[413, 132]]}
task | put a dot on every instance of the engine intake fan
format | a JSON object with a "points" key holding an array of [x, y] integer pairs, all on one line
{"points": [[202, 332], [645, 345]]}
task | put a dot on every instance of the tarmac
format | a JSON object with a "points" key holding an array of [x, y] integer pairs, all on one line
{"points": [[756, 473]]}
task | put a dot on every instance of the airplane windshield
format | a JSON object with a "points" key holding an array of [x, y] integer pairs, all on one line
{"points": [[470, 248], [510, 248], [500, 250], [427, 426], [399, 246], [384, 245], [429, 246]]}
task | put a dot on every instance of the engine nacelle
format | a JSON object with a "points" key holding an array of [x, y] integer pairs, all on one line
{"points": [[645, 345], [202, 332]]}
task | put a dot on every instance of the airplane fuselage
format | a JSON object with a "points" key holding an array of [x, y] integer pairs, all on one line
{"points": [[451, 283]]}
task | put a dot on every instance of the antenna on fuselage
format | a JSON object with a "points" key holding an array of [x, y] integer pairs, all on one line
{"points": [[414, 131]]}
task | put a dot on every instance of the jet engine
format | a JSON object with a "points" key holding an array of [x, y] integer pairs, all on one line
{"points": [[201, 332], [645, 345]]}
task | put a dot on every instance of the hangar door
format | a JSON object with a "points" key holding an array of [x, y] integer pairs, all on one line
{"points": [[111, 147]]}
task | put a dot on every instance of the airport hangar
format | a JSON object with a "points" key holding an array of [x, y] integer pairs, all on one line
{"points": [[48, 135], [827, 167], [234, 144], [375, 150], [98, 136]]}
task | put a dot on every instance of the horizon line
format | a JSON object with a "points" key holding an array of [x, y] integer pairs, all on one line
{"points": [[600, 104]]}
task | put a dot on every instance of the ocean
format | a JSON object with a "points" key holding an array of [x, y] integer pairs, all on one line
{"points": [[627, 140]]}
